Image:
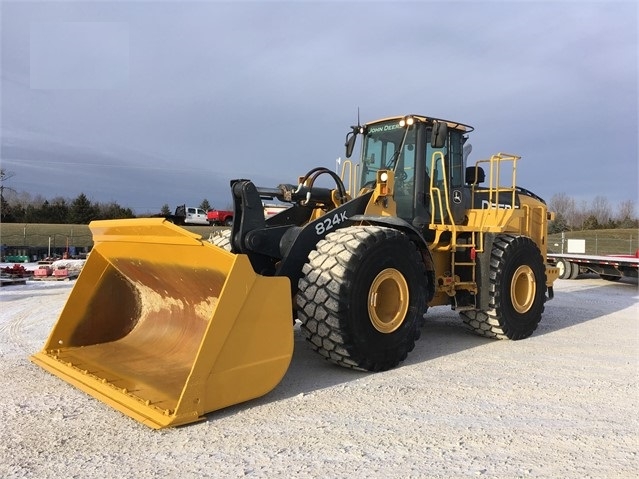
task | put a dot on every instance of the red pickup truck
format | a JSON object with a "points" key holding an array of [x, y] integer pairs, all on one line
{"points": [[219, 217]]}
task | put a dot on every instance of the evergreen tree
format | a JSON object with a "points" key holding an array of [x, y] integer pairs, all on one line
{"points": [[7, 213], [591, 223], [58, 211], [82, 211], [113, 211]]}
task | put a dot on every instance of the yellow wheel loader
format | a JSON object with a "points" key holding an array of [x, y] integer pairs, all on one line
{"points": [[166, 326]]}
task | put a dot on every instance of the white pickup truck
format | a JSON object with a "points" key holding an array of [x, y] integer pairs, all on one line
{"points": [[188, 215]]}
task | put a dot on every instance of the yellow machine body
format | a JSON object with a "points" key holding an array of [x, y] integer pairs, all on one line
{"points": [[166, 327]]}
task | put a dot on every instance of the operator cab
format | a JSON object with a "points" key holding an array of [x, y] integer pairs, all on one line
{"points": [[427, 157]]}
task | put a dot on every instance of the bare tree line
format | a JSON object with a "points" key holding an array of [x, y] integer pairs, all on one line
{"points": [[598, 214]]}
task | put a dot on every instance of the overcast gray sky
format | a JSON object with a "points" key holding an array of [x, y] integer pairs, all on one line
{"points": [[154, 102]]}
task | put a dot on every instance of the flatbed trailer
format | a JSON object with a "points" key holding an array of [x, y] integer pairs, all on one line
{"points": [[611, 268]]}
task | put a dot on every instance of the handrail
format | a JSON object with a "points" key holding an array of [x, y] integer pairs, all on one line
{"points": [[438, 159], [347, 168], [494, 188]]}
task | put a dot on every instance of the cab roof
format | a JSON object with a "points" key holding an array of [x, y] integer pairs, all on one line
{"points": [[426, 119]]}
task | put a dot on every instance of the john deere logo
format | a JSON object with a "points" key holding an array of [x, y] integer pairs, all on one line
{"points": [[457, 197]]}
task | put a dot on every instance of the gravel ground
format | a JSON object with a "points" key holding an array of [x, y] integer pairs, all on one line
{"points": [[561, 404]]}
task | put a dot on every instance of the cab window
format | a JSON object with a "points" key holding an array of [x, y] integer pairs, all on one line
{"points": [[453, 161]]}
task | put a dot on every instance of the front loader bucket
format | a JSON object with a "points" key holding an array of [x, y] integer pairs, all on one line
{"points": [[166, 327]]}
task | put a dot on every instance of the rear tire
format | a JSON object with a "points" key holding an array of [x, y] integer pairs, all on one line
{"points": [[228, 222], [565, 268], [362, 297], [517, 290], [574, 270]]}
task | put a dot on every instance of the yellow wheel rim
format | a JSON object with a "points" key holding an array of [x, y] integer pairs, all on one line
{"points": [[388, 300], [523, 288]]}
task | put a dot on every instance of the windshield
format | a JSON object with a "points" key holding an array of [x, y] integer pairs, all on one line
{"points": [[381, 151]]}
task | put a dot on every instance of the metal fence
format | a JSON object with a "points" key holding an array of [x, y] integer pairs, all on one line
{"points": [[601, 244], [30, 242]]}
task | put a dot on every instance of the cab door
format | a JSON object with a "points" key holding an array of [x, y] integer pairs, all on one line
{"points": [[196, 216]]}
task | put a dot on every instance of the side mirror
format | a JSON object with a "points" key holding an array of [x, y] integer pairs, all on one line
{"points": [[351, 136], [439, 134]]}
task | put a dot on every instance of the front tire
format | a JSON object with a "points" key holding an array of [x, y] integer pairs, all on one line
{"points": [[517, 291], [362, 297], [222, 239]]}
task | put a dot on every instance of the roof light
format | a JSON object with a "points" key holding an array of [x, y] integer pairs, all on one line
{"points": [[407, 121]]}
